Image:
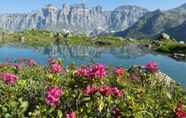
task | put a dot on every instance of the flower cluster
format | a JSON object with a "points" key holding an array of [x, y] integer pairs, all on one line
{"points": [[92, 71], [31, 62], [53, 96], [180, 113], [107, 91], [116, 112], [90, 90], [104, 90], [119, 71], [56, 68], [152, 67], [9, 78], [71, 115]]}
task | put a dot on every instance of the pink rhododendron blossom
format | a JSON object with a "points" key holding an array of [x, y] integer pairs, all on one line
{"points": [[53, 96], [180, 113], [98, 70], [119, 71], [116, 112], [31, 62], [105, 90], [82, 72], [56, 68], [71, 115], [90, 90], [9, 78], [92, 71], [117, 92], [108, 91], [152, 67]]}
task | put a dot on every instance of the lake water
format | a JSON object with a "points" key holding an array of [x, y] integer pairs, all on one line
{"points": [[125, 56]]}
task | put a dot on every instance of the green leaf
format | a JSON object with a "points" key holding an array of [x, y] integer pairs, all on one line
{"points": [[59, 114]]}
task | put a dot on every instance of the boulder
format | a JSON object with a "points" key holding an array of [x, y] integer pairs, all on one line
{"points": [[178, 56], [182, 42], [164, 36]]}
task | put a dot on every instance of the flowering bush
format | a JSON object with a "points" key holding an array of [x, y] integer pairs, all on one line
{"points": [[119, 71], [90, 90], [31, 62], [152, 67], [9, 78], [71, 115], [92, 71], [87, 91], [53, 96], [180, 113], [56, 68]]}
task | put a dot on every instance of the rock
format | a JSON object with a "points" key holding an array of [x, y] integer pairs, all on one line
{"points": [[165, 78], [164, 36], [182, 42], [178, 56]]}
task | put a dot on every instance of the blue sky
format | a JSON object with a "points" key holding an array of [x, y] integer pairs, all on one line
{"points": [[29, 5]]}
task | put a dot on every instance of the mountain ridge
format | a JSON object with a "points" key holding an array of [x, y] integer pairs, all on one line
{"points": [[77, 18], [156, 22]]}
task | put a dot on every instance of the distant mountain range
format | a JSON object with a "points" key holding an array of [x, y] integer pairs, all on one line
{"points": [[126, 21], [172, 21], [77, 18]]}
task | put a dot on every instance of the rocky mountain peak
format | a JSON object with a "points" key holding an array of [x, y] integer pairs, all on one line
{"points": [[51, 8], [76, 18], [129, 7]]}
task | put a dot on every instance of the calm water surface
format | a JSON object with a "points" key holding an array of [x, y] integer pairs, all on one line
{"points": [[126, 56]]}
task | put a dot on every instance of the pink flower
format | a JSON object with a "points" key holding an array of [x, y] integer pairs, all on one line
{"points": [[71, 115], [9, 78], [82, 72], [152, 67], [119, 71], [90, 90], [106, 90], [117, 92], [92, 71], [180, 113], [53, 96], [116, 112], [56, 68], [98, 70], [31, 62]]}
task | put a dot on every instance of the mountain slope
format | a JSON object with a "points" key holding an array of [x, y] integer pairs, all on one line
{"points": [[77, 18], [178, 32], [156, 22]]}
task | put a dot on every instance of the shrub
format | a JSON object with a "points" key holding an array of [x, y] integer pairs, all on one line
{"points": [[87, 91]]}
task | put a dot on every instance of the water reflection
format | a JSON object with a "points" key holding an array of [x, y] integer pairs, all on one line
{"points": [[121, 56], [92, 53]]}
